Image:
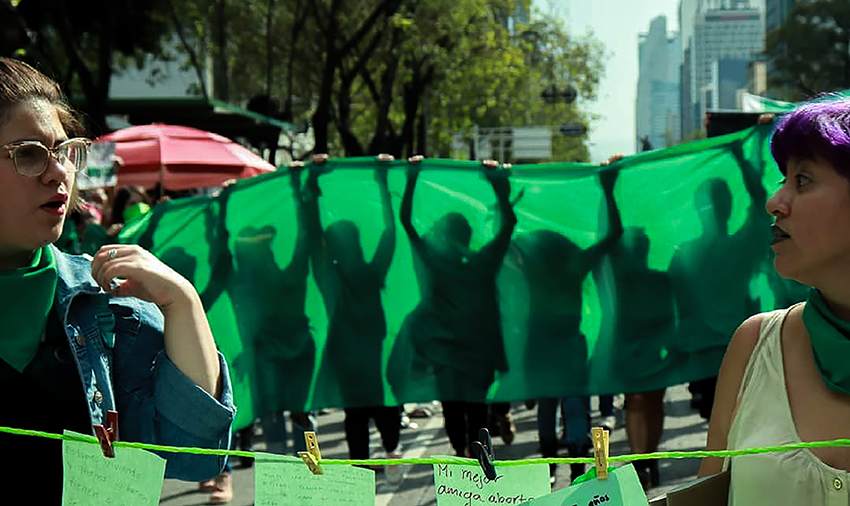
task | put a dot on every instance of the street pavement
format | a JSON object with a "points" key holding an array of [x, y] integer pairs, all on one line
{"points": [[684, 430]]}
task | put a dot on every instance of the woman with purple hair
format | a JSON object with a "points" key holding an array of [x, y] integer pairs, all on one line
{"points": [[786, 374]]}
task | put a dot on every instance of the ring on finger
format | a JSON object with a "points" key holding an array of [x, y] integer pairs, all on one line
{"points": [[112, 254]]}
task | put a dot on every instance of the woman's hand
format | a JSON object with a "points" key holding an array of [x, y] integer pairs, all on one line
{"points": [[126, 270], [188, 339]]}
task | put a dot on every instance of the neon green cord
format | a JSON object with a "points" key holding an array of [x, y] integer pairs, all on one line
{"points": [[448, 460]]}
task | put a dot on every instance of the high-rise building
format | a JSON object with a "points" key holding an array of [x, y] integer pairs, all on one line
{"points": [[775, 12], [657, 103], [735, 31], [688, 10]]}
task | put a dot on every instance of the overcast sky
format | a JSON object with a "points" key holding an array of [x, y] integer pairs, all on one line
{"points": [[617, 24]]}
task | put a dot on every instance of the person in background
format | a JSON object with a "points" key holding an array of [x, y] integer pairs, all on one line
{"points": [[351, 288], [76, 342], [785, 377], [455, 332], [130, 203]]}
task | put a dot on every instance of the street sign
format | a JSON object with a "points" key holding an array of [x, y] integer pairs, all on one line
{"points": [[553, 94], [574, 130]]}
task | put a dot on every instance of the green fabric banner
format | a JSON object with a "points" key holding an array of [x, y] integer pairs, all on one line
{"points": [[345, 284]]}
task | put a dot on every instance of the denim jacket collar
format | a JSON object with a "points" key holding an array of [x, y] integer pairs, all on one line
{"points": [[73, 277]]}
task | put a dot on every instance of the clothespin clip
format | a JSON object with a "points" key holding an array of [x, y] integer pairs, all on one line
{"points": [[415, 159], [320, 158], [490, 164], [312, 456], [384, 157], [600, 451], [106, 435], [483, 451]]}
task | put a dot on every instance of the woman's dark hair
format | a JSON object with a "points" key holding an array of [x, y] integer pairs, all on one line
{"points": [[820, 128], [20, 83]]}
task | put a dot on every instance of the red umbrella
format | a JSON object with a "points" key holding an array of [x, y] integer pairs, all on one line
{"points": [[180, 158]]}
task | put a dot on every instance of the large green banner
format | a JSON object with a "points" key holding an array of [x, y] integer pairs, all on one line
{"points": [[362, 282]]}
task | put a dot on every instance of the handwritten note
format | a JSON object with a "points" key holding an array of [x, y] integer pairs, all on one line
{"points": [[286, 481], [467, 486], [134, 477], [622, 488]]}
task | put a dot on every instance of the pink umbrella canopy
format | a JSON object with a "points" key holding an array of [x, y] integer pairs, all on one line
{"points": [[180, 158]]}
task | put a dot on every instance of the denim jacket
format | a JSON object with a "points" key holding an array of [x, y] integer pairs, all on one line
{"points": [[119, 348]]}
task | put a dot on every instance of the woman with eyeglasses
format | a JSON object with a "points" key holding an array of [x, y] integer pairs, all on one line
{"points": [[82, 336]]}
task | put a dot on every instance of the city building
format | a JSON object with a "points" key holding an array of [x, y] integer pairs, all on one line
{"points": [[776, 11], [726, 36], [657, 103]]}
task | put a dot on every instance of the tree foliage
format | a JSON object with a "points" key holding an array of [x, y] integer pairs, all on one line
{"points": [[80, 42], [811, 51], [369, 76], [398, 76]]}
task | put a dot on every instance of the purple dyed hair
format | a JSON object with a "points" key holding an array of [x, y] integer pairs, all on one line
{"points": [[820, 128]]}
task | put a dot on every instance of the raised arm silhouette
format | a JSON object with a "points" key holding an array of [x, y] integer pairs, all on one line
{"points": [[351, 289], [455, 332]]}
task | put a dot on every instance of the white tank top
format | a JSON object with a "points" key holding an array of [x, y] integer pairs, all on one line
{"points": [[795, 477]]}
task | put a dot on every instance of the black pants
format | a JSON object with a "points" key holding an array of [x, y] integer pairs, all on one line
{"points": [[463, 421], [388, 421], [500, 408]]}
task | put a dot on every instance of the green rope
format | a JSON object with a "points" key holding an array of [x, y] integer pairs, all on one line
{"points": [[443, 460]]}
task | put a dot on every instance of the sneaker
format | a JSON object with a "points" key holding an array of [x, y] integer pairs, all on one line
{"points": [[223, 489], [608, 423], [395, 473], [421, 412], [507, 429], [206, 486], [407, 424]]}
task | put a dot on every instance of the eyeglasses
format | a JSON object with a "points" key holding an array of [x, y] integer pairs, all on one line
{"points": [[31, 158]]}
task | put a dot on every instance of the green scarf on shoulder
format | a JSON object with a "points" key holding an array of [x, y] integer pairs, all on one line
{"points": [[830, 342], [26, 296]]}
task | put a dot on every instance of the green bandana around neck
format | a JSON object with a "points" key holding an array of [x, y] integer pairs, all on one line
{"points": [[830, 342], [26, 296]]}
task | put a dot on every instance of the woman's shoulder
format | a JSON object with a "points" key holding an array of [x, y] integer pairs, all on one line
{"points": [[751, 331]]}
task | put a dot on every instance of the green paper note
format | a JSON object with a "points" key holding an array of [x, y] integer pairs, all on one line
{"points": [[467, 486], [134, 477], [621, 488], [286, 481]]}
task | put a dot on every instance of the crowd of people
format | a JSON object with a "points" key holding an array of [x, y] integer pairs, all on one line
{"points": [[147, 350]]}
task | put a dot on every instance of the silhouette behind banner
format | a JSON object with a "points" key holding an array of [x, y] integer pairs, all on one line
{"points": [[351, 290], [555, 268], [455, 332]]}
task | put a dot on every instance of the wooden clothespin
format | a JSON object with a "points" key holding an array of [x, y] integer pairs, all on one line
{"points": [[106, 435], [483, 451], [384, 157], [312, 456], [600, 451]]}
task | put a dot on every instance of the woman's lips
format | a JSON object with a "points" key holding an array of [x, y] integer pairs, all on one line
{"points": [[54, 208], [779, 235]]}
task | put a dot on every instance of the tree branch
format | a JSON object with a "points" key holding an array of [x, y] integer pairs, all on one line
{"points": [[193, 55]]}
